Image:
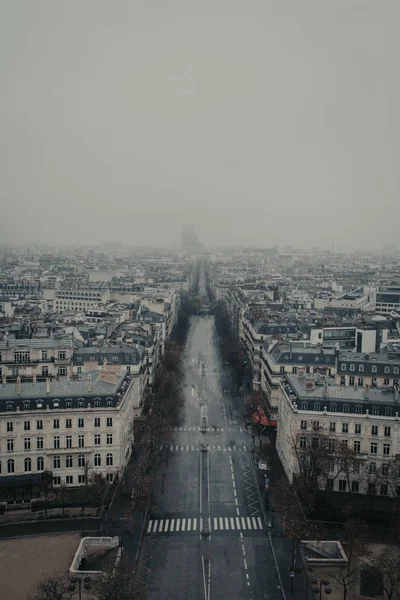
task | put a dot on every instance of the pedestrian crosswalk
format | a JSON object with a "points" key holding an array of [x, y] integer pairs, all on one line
{"points": [[210, 429], [188, 525], [207, 447]]}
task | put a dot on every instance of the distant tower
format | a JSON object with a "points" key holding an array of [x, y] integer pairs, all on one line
{"points": [[189, 240]]}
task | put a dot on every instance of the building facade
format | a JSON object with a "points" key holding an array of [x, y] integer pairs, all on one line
{"points": [[42, 357]]}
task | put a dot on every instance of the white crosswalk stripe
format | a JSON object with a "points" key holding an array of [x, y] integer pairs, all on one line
{"points": [[210, 429], [213, 448], [216, 523]]}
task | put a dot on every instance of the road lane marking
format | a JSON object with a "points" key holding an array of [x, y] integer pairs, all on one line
{"points": [[166, 525], [243, 523], [237, 522], [184, 524], [221, 523], [215, 523], [178, 525], [248, 522], [149, 526], [160, 528], [172, 525], [245, 564], [255, 524], [260, 525], [237, 510], [232, 523], [226, 523]]}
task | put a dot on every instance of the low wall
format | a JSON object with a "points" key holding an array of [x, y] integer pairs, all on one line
{"points": [[108, 543]]}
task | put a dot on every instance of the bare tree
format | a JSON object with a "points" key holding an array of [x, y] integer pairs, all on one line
{"points": [[355, 545], [99, 490], [53, 587], [115, 583], [387, 565]]}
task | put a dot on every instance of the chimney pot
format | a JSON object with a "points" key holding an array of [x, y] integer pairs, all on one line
{"points": [[48, 385]]}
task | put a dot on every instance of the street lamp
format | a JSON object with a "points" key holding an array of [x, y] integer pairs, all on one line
{"points": [[317, 586]]}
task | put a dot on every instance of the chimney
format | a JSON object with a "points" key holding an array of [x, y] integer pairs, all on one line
{"points": [[325, 388], [89, 384], [18, 384], [48, 385], [4, 379], [367, 392], [68, 374], [34, 378]]}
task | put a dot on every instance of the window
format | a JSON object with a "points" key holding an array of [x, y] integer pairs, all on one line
{"points": [[357, 428], [304, 406], [97, 403], [386, 370], [315, 425], [27, 425], [10, 426], [385, 470], [375, 410], [372, 468], [61, 355], [345, 427], [343, 366], [109, 440], [56, 480], [371, 488], [388, 411], [10, 465], [351, 380], [374, 448], [342, 485], [329, 484], [81, 441], [27, 465], [374, 430], [331, 444], [396, 370], [56, 462], [356, 467], [97, 421], [355, 487], [10, 445], [44, 354], [374, 369], [97, 460], [109, 460], [39, 424], [27, 443], [360, 381], [68, 423], [359, 409], [81, 461], [81, 479], [342, 380], [346, 408], [45, 371], [352, 367], [383, 490], [22, 357], [332, 427], [97, 439], [386, 449], [68, 404], [56, 441], [69, 480], [333, 408], [109, 477], [361, 368], [62, 370], [68, 461], [386, 381], [81, 404], [56, 424], [81, 423], [294, 370], [387, 431], [68, 441], [303, 442], [357, 446], [40, 463], [110, 421]]}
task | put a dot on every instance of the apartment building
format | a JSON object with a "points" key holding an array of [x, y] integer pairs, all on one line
{"points": [[78, 299], [364, 420], [365, 369], [39, 357], [387, 300], [280, 359], [65, 429], [360, 339]]}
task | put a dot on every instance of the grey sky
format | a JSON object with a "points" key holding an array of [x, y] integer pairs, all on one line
{"points": [[260, 122]]}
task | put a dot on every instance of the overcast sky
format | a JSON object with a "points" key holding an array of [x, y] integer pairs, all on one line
{"points": [[260, 122]]}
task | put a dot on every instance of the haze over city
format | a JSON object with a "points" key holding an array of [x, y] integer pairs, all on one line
{"points": [[260, 123]]}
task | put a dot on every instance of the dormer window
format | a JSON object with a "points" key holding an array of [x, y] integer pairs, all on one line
{"points": [[352, 367], [81, 404], [396, 370], [68, 404], [343, 366], [361, 368], [374, 368], [387, 370], [109, 403], [26, 406]]}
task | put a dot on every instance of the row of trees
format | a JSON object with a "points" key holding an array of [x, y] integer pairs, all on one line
{"points": [[322, 458], [229, 346]]}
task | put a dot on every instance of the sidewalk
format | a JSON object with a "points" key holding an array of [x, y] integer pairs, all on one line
{"points": [[282, 546]]}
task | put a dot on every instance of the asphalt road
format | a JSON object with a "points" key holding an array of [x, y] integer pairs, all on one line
{"points": [[205, 537]]}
